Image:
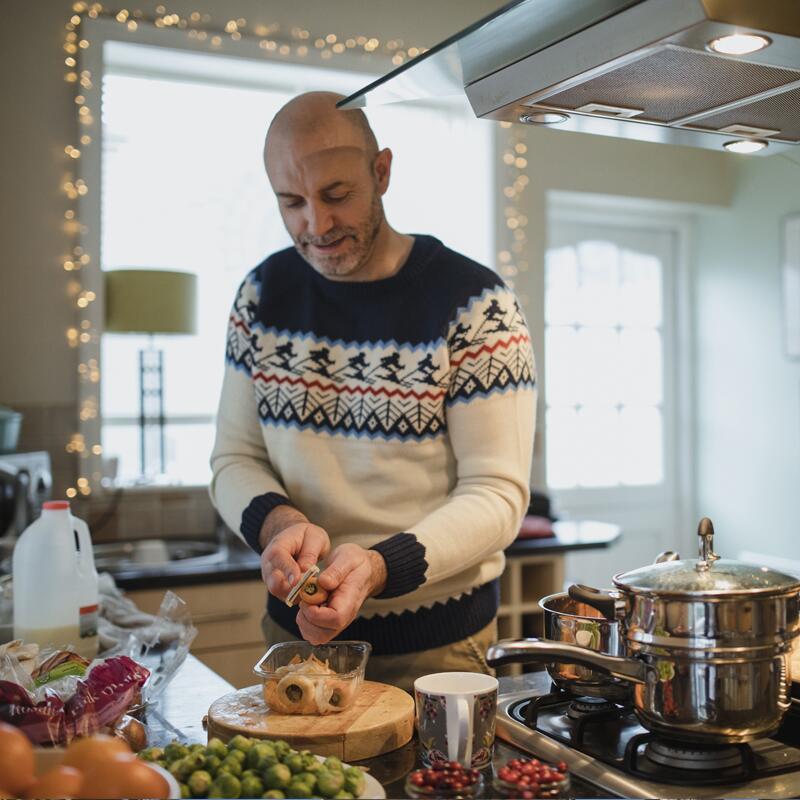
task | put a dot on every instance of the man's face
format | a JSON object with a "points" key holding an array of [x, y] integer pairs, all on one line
{"points": [[330, 202]]}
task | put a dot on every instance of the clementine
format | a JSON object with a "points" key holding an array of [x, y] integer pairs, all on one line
{"points": [[85, 753], [16, 760], [56, 784]]}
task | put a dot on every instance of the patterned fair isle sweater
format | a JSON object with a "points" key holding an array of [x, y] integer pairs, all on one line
{"points": [[397, 414]]}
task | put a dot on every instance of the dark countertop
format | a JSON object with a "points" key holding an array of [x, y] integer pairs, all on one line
{"points": [[241, 563], [179, 712]]}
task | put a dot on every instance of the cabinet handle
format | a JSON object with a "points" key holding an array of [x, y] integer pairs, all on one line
{"points": [[219, 616]]}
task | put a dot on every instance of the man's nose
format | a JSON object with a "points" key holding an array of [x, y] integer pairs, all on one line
{"points": [[319, 219]]}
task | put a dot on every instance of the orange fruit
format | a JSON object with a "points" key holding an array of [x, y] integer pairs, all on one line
{"points": [[84, 753], [123, 776], [16, 760], [59, 782]]}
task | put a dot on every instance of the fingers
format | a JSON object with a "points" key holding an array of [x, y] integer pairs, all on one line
{"points": [[311, 632], [314, 547], [345, 560], [293, 551]]}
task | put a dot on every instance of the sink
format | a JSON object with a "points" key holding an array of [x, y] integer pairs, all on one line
{"points": [[144, 554]]}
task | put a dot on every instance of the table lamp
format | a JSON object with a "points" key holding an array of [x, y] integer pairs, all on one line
{"points": [[150, 301]]}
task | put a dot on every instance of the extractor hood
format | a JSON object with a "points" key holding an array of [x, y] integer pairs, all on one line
{"points": [[638, 69]]}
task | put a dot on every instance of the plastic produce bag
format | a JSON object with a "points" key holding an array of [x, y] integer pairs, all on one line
{"points": [[161, 646], [77, 706]]}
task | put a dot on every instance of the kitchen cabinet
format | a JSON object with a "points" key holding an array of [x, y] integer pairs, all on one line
{"points": [[228, 620], [526, 579]]}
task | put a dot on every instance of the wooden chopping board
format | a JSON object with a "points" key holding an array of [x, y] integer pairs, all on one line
{"points": [[381, 719]]}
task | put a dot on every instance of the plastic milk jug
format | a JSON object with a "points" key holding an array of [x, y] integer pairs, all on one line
{"points": [[50, 586]]}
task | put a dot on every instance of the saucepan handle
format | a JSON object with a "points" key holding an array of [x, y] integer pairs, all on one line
{"points": [[604, 601], [526, 651]]}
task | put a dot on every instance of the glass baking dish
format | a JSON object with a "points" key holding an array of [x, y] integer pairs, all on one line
{"points": [[301, 678]]}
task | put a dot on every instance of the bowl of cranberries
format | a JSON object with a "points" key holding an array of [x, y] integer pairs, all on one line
{"points": [[447, 779], [527, 778]]}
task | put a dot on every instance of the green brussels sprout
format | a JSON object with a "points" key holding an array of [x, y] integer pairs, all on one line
{"points": [[252, 786], [274, 794], [312, 764], [354, 781], [343, 795], [239, 755], [212, 764], [181, 769], [225, 785], [330, 782], [307, 777], [216, 747], [186, 792], [152, 754], [200, 782], [299, 789], [231, 765], [261, 755], [196, 759], [197, 748], [162, 763], [278, 776], [240, 742], [282, 748], [175, 750], [296, 763], [331, 762]]}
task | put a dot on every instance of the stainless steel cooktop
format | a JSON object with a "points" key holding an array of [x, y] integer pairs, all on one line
{"points": [[604, 745]]}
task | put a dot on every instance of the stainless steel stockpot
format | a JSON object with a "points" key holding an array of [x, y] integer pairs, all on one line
{"points": [[575, 622], [706, 644]]}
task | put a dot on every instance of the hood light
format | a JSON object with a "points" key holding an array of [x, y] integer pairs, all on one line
{"points": [[739, 44], [543, 118], [745, 145]]}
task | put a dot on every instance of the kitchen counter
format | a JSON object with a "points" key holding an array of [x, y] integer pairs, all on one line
{"points": [[241, 563], [178, 714]]}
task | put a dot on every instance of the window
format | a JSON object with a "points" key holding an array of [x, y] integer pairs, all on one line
{"points": [[184, 188], [606, 345]]}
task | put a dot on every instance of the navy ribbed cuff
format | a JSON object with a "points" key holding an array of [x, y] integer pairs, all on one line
{"points": [[405, 564], [254, 515]]}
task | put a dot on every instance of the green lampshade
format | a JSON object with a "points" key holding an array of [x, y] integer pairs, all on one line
{"points": [[150, 301]]}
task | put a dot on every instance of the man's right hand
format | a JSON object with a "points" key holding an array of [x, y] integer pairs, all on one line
{"points": [[292, 545]]}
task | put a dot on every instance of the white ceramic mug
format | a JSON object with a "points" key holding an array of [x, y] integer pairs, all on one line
{"points": [[456, 717]]}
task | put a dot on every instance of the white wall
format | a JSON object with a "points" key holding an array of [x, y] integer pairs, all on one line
{"points": [[748, 393]]}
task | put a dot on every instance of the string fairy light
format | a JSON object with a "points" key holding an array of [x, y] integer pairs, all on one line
{"points": [[512, 257], [199, 27]]}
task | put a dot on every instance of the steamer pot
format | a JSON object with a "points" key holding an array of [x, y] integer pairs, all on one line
{"points": [[706, 644]]}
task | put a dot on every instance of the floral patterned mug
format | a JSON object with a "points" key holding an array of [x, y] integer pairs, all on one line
{"points": [[456, 717]]}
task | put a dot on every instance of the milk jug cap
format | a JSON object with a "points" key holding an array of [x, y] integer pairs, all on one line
{"points": [[56, 505]]}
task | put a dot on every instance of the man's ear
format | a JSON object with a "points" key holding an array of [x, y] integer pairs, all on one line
{"points": [[382, 169]]}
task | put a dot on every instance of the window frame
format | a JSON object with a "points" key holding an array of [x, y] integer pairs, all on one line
{"points": [[639, 214], [99, 31]]}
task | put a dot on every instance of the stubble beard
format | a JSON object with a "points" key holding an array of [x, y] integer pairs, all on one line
{"points": [[350, 262]]}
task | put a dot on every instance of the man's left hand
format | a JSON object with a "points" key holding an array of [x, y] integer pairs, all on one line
{"points": [[352, 575]]}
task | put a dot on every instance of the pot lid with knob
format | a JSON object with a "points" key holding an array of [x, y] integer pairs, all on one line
{"points": [[708, 575]]}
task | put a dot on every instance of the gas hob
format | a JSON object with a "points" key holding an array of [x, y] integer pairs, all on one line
{"points": [[604, 745]]}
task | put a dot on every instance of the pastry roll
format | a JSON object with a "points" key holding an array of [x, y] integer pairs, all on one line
{"points": [[333, 695], [297, 693], [273, 699]]}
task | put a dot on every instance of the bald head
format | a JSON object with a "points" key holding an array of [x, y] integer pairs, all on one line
{"points": [[328, 177], [311, 121]]}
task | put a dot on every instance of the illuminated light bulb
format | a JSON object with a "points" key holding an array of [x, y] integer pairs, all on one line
{"points": [[330, 38], [745, 146], [739, 44], [71, 492]]}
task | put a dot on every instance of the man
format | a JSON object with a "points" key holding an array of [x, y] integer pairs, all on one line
{"points": [[383, 424]]}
